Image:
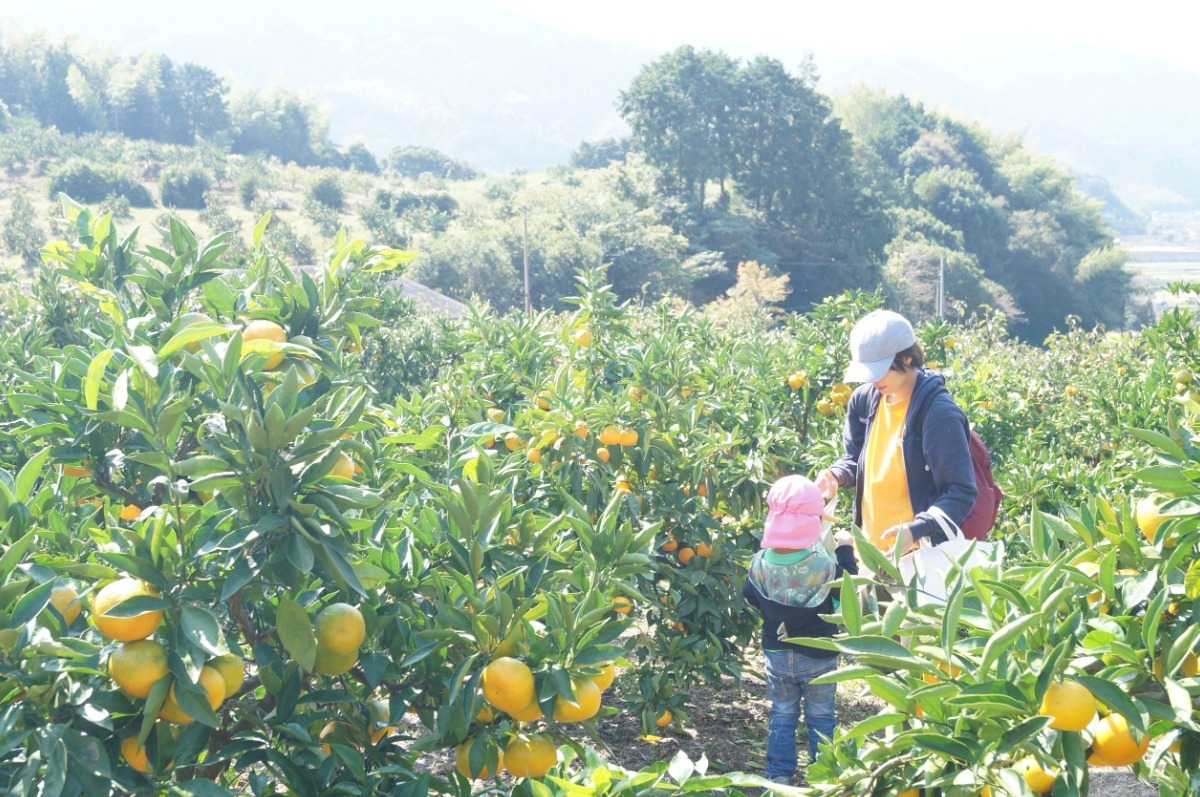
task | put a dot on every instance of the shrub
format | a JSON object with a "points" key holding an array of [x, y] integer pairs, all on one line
{"points": [[184, 187], [85, 182], [327, 189], [360, 159], [323, 216], [247, 188], [411, 161], [21, 233]]}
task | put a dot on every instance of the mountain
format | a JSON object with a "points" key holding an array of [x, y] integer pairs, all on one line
{"points": [[502, 91]]}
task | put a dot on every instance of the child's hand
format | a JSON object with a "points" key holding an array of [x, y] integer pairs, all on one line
{"points": [[843, 537]]}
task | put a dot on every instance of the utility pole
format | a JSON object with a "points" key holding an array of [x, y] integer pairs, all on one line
{"points": [[942, 287], [525, 253]]}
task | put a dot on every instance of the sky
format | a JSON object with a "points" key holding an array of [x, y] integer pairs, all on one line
{"points": [[875, 27]]}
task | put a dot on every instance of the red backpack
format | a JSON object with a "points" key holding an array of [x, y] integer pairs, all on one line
{"points": [[982, 517]]}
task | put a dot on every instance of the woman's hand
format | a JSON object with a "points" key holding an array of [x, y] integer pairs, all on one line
{"points": [[827, 483], [901, 535]]}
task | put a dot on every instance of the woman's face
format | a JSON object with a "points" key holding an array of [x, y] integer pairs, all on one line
{"points": [[897, 385]]}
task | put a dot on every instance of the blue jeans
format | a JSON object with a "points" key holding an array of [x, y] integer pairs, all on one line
{"points": [[788, 675]]}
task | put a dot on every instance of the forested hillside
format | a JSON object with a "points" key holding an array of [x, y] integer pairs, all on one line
{"points": [[729, 162]]}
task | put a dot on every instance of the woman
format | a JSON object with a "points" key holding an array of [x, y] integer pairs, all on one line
{"points": [[905, 439]]}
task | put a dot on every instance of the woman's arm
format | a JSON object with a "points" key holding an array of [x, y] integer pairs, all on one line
{"points": [[845, 468]]}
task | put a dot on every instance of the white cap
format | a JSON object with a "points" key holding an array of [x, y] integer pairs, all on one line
{"points": [[874, 343]]}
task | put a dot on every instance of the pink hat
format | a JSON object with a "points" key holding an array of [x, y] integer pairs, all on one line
{"points": [[796, 511]]}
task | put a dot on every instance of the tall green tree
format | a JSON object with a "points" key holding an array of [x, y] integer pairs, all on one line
{"points": [[681, 111]]}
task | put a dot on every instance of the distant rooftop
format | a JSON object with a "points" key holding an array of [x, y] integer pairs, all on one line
{"points": [[430, 301], [426, 299]]}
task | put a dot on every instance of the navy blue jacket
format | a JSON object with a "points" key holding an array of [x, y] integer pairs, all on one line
{"points": [[781, 621], [937, 461]]}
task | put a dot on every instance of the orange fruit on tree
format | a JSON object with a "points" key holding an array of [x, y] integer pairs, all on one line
{"points": [[702, 489], [1039, 780], [513, 441], [534, 455], [603, 454], [124, 629], [704, 549], [214, 690], [685, 555], [330, 663], [610, 436], [262, 329], [137, 666], [1149, 518], [797, 380], [530, 713], [508, 684], [583, 338], [909, 793], [66, 601], [622, 485], [636, 393], [1187, 668], [581, 430], [629, 437], [343, 466], [232, 671], [77, 471], [543, 399], [664, 719], [495, 415], [462, 761], [485, 714], [1070, 705], [130, 512], [379, 734], [584, 705], [1113, 743], [606, 676], [670, 545], [621, 604], [530, 756], [340, 629], [135, 755]]}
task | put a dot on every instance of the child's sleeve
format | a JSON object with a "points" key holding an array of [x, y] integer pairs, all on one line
{"points": [[846, 561], [751, 594]]}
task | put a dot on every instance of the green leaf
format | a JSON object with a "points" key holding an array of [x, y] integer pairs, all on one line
{"points": [[198, 788], [95, 377], [949, 748], [850, 608], [204, 630], [13, 555], [296, 633], [201, 465], [202, 330], [30, 605], [260, 228], [1004, 638], [28, 476], [1111, 695]]}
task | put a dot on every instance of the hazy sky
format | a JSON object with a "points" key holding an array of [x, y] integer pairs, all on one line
{"points": [[742, 28], [1151, 27]]}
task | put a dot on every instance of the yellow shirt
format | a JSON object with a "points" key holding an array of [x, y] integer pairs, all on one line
{"points": [[886, 502]]}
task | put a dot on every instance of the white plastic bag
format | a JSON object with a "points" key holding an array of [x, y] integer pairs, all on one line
{"points": [[827, 525], [933, 566]]}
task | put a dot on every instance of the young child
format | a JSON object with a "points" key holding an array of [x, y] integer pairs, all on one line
{"points": [[792, 581]]}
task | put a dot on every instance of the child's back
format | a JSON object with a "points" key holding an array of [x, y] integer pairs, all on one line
{"points": [[792, 581]]}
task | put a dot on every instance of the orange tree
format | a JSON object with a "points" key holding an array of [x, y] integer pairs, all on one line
{"points": [[199, 468]]}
